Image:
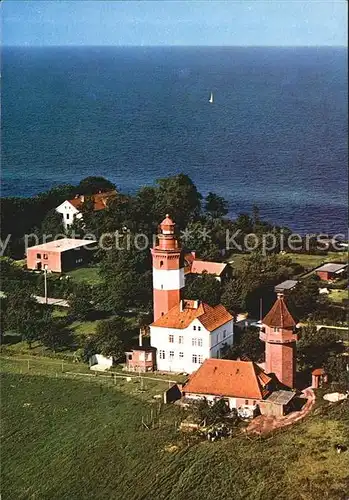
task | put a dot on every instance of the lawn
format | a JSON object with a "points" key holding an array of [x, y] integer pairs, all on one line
{"points": [[89, 275], [65, 438], [310, 261], [338, 295], [305, 260]]}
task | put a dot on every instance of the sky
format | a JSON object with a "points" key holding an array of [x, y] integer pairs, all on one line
{"points": [[170, 22]]}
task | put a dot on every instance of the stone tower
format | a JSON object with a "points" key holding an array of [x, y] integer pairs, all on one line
{"points": [[280, 338], [168, 269]]}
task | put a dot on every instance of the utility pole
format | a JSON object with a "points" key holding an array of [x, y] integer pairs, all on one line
{"points": [[45, 284]]}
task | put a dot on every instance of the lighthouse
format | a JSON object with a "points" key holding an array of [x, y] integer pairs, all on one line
{"points": [[168, 269], [280, 342]]}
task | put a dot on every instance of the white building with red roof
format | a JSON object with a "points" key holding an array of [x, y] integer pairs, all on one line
{"points": [[189, 333], [72, 209], [243, 384], [184, 332]]}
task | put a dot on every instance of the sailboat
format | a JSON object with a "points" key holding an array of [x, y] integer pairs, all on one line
{"points": [[211, 98]]}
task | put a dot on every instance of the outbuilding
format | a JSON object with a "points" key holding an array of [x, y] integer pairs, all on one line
{"points": [[60, 255]]}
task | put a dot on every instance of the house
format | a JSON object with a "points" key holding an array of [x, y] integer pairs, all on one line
{"points": [[241, 383], [286, 286], [278, 404], [192, 265], [60, 255], [140, 359], [189, 333], [331, 271], [72, 209]]}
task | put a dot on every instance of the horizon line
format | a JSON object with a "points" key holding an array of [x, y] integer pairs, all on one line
{"points": [[174, 46]]}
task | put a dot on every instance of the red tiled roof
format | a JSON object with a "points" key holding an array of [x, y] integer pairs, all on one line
{"points": [[99, 200], [279, 316], [223, 377], [201, 266], [210, 317], [318, 371]]}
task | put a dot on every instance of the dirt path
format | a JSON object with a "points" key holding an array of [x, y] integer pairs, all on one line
{"points": [[264, 424]]}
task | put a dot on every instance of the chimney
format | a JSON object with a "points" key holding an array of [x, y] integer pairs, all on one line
{"points": [[196, 304], [181, 305], [193, 254], [140, 337], [280, 295], [82, 198]]}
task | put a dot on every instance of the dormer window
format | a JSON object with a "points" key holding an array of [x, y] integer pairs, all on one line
{"points": [[276, 330]]}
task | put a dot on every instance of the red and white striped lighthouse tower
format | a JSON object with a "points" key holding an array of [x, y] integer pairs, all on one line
{"points": [[168, 269]]}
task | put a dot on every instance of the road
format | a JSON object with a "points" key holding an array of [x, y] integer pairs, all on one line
{"points": [[52, 302]]}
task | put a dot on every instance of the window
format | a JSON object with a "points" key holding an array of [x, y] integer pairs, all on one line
{"points": [[276, 329], [194, 341], [194, 358], [171, 339], [67, 216], [246, 401], [45, 256], [171, 355], [224, 334], [217, 338], [38, 255], [254, 403], [162, 314], [162, 354], [200, 342], [181, 339], [200, 358], [161, 263], [194, 327], [149, 356], [129, 357], [199, 328], [181, 355], [142, 356], [162, 287]]}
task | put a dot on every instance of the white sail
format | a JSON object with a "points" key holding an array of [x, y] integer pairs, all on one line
{"points": [[211, 98]]}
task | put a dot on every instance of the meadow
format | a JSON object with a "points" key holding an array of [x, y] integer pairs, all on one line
{"points": [[69, 438]]}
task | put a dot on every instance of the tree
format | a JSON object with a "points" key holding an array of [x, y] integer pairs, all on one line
{"points": [[80, 303], [198, 236], [23, 314], [314, 347], [179, 197], [215, 205], [204, 287], [247, 345], [211, 413], [232, 296], [304, 297], [109, 337], [53, 333], [338, 369], [94, 184], [52, 224]]}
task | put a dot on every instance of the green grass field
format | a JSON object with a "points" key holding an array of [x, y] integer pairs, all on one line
{"points": [[65, 438], [305, 260], [338, 295], [89, 275]]}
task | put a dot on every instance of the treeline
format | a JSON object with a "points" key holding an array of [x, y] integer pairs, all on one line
{"points": [[21, 216]]}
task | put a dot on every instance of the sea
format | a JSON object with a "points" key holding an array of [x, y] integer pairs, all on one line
{"points": [[275, 135]]}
